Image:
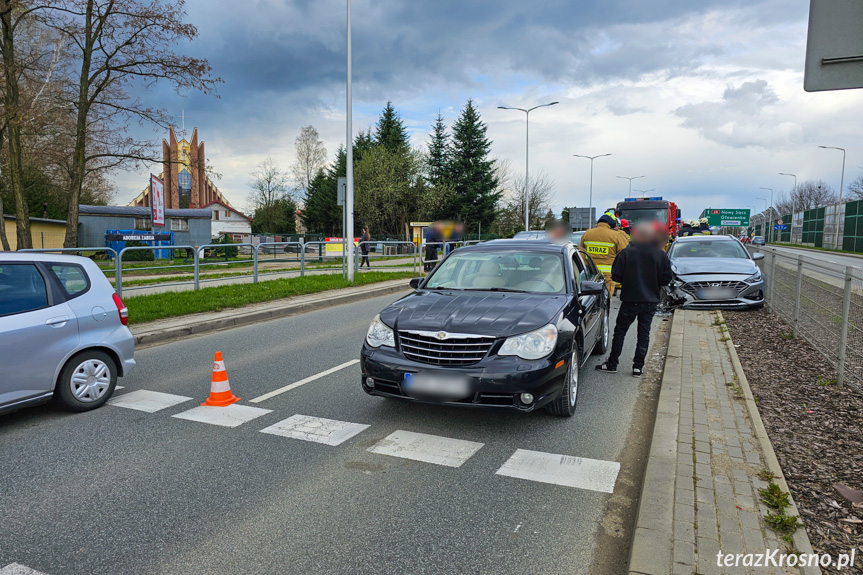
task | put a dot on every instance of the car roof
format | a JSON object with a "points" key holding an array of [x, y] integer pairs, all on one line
{"points": [[537, 245], [40, 257], [710, 238]]}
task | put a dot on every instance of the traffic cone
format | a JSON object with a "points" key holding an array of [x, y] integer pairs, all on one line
{"points": [[220, 388]]}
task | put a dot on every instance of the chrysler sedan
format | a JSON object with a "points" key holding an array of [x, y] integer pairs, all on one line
{"points": [[503, 324], [715, 272]]}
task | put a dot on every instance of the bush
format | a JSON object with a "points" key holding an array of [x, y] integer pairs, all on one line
{"points": [[139, 255], [221, 252]]}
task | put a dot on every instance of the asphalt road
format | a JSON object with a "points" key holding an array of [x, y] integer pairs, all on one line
{"points": [[120, 491], [827, 257]]}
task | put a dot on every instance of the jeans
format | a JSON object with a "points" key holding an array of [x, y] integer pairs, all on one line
{"points": [[628, 313]]}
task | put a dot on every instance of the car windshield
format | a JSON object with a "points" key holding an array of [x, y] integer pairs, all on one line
{"points": [[634, 215], [707, 249], [518, 271]]}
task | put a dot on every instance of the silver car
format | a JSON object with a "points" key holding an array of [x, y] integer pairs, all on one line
{"points": [[715, 272], [63, 332]]}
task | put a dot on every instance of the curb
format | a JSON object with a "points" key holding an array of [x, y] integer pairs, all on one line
{"points": [[801, 538], [652, 539], [243, 316]]}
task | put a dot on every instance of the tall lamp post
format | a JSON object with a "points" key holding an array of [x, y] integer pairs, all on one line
{"points": [[764, 218], [793, 190], [644, 191], [591, 158], [630, 181], [526, 154], [770, 214], [349, 151]]}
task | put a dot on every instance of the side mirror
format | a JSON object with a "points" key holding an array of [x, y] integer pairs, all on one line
{"points": [[591, 288], [758, 256], [415, 282]]}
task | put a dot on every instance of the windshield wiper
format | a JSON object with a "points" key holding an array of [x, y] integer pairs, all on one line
{"points": [[497, 289]]}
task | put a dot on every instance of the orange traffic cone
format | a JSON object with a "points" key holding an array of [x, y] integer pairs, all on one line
{"points": [[220, 388]]}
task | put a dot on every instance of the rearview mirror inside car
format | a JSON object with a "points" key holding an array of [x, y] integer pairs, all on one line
{"points": [[415, 282], [758, 256], [591, 288]]}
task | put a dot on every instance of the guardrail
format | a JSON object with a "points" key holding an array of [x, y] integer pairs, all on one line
{"points": [[823, 303]]}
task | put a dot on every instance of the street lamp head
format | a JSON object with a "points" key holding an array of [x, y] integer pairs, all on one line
{"points": [[553, 103], [771, 189]]}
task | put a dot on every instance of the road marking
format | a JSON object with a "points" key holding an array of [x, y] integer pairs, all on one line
{"points": [[233, 415], [149, 401], [296, 384], [426, 448], [580, 472], [317, 429], [17, 569]]}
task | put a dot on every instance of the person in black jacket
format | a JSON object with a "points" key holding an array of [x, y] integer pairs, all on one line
{"points": [[642, 269]]}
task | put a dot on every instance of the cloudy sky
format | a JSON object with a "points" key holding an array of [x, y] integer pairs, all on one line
{"points": [[703, 98]]}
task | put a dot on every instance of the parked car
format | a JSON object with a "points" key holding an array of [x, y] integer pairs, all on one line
{"points": [[530, 235], [576, 237], [502, 324], [716, 272], [758, 241], [63, 332]]}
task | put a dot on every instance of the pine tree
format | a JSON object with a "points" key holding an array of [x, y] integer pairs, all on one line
{"points": [[363, 142], [472, 172], [439, 153], [391, 132]]}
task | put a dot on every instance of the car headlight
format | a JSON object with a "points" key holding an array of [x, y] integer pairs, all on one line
{"points": [[380, 334], [756, 277], [534, 345]]}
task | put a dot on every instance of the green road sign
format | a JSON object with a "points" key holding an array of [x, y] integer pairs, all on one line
{"points": [[725, 218]]}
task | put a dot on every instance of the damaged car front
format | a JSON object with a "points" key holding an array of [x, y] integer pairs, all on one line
{"points": [[714, 272]]}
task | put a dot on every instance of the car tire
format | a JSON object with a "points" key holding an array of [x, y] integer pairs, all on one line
{"points": [[564, 405], [86, 381], [604, 334]]}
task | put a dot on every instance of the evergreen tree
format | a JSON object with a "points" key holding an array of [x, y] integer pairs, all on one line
{"points": [[363, 142], [391, 132], [472, 172], [439, 153]]}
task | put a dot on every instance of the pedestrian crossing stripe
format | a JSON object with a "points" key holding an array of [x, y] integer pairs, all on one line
{"points": [[579, 472], [427, 448], [233, 415], [147, 401], [316, 429]]}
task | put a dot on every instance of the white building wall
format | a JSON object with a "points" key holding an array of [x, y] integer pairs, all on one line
{"points": [[229, 222]]}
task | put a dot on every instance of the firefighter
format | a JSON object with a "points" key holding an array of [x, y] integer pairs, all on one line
{"points": [[603, 243], [685, 230], [704, 227], [624, 227]]}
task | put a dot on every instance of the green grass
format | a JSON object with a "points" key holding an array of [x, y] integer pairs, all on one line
{"points": [[150, 307]]}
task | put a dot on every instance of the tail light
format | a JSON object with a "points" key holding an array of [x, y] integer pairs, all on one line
{"points": [[121, 309]]}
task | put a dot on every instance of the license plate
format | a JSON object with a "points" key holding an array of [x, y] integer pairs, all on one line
{"points": [[437, 385], [717, 293]]}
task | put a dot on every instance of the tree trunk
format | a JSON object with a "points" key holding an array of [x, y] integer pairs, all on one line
{"points": [[79, 161], [4, 241], [13, 126]]}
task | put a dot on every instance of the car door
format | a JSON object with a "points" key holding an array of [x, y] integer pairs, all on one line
{"points": [[37, 330], [591, 304]]}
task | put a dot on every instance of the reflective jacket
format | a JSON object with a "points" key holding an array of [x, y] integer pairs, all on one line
{"points": [[603, 244]]}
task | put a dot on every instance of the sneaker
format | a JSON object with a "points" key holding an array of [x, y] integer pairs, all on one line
{"points": [[637, 371], [606, 368]]}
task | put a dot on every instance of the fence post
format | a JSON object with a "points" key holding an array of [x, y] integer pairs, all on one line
{"points": [[843, 338], [302, 257], [772, 284], [255, 263], [796, 331], [118, 273], [197, 269]]}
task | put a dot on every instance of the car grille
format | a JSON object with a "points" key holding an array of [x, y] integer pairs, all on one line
{"points": [[693, 287], [455, 350]]}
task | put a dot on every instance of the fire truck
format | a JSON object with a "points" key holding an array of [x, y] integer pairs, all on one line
{"points": [[636, 209]]}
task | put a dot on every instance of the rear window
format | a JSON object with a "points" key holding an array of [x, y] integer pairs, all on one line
{"points": [[72, 278], [22, 289]]}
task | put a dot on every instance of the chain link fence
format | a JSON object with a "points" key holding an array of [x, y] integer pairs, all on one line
{"points": [[823, 303]]}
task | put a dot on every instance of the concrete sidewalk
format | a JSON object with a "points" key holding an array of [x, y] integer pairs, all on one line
{"points": [[700, 492]]}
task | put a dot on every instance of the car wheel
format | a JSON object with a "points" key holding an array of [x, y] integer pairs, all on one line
{"points": [[564, 405], [87, 381], [604, 335]]}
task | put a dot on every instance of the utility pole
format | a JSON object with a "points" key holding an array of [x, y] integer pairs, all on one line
{"points": [[349, 150]]}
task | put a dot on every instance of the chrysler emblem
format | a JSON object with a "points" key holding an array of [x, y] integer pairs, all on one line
{"points": [[441, 335]]}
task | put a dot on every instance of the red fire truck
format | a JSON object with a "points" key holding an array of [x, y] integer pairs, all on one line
{"points": [[635, 209]]}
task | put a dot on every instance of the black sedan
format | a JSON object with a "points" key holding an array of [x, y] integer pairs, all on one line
{"points": [[504, 324]]}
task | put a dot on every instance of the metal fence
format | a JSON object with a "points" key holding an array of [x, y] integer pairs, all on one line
{"points": [[823, 303]]}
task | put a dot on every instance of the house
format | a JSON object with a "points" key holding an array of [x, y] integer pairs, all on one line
{"points": [[190, 226], [227, 220], [46, 233]]}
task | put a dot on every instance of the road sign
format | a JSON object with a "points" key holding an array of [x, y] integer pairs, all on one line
{"points": [[780, 227], [834, 46], [157, 200], [582, 218], [342, 188], [725, 218]]}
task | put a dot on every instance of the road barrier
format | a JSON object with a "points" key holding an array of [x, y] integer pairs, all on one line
{"points": [[823, 303]]}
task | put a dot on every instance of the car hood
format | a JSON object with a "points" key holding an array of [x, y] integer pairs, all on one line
{"points": [[725, 266], [480, 313]]}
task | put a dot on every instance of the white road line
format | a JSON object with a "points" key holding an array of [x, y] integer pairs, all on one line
{"points": [[233, 415], [296, 384], [17, 569], [426, 448], [317, 429], [149, 401], [580, 472]]}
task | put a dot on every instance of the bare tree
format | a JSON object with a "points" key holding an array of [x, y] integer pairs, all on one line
{"points": [[540, 199], [119, 44], [812, 194], [855, 187], [269, 185], [311, 157]]}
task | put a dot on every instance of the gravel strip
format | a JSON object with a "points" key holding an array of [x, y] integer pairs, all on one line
{"points": [[816, 427]]}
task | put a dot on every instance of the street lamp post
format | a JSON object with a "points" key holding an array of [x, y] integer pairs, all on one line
{"points": [[591, 158], [841, 185], [630, 181], [793, 190], [770, 215], [349, 151], [644, 191], [764, 218], [526, 154]]}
